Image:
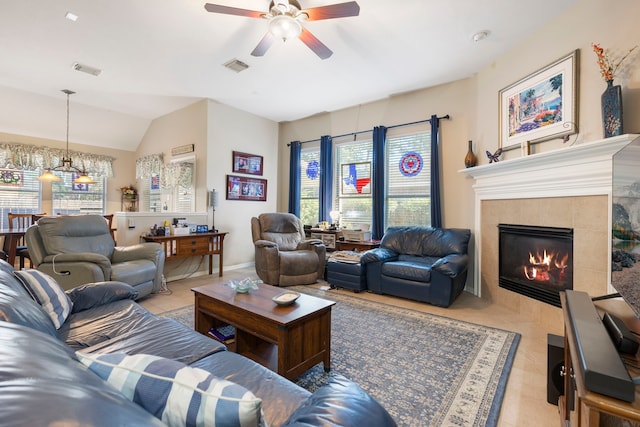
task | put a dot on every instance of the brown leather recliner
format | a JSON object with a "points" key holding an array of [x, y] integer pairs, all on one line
{"points": [[283, 255]]}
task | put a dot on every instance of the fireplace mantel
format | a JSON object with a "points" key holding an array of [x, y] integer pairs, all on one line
{"points": [[580, 170]]}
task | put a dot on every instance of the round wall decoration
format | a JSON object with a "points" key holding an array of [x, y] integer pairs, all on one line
{"points": [[313, 169], [410, 164]]}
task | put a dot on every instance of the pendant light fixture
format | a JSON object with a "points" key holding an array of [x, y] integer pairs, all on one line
{"points": [[67, 163]]}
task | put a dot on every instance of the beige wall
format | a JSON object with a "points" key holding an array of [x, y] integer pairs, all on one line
{"points": [[234, 130], [216, 130], [182, 127], [452, 99], [473, 103]]}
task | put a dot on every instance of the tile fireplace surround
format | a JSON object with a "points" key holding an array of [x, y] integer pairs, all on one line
{"points": [[569, 187]]}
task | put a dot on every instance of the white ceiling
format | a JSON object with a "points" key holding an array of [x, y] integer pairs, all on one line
{"points": [[158, 56]]}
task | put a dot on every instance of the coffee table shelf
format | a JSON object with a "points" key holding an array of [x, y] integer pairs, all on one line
{"points": [[286, 339]]}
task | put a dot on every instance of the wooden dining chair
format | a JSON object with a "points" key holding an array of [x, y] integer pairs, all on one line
{"points": [[22, 220], [109, 219]]}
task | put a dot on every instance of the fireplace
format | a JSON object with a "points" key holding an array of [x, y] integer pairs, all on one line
{"points": [[536, 261]]}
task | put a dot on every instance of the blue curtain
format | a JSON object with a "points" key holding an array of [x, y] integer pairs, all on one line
{"points": [[294, 178], [436, 210], [326, 173], [377, 185]]}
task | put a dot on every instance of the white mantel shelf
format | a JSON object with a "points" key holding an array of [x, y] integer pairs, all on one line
{"points": [[580, 170]]}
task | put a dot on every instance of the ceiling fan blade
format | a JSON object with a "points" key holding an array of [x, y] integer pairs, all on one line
{"points": [[216, 8], [264, 44], [314, 44], [339, 10]]}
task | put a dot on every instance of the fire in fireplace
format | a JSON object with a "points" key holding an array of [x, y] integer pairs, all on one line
{"points": [[536, 261]]}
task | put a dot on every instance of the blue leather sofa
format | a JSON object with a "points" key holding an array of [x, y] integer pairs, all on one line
{"points": [[419, 263], [43, 382]]}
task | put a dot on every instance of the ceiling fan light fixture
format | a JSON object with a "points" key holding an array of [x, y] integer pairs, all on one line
{"points": [[285, 27]]}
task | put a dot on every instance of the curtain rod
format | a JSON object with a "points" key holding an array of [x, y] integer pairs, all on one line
{"points": [[367, 131]]}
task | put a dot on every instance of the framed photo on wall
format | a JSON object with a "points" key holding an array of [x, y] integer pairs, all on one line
{"points": [[541, 106], [245, 188], [247, 163]]}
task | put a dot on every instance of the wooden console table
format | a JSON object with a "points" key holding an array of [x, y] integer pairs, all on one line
{"points": [[189, 245]]}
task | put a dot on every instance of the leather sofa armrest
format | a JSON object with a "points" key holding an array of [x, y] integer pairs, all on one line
{"points": [[451, 265], [265, 244], [90, 257], [320, 249], [148, 250], [340, 403], [378, 255], [99, 293], [309, 244]]}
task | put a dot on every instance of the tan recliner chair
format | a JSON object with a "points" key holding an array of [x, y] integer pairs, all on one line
{"points": [[79, 249], [283, 255]]}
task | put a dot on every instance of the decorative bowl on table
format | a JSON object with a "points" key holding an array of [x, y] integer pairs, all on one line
{"points": [[245, 285], [286, 298]]}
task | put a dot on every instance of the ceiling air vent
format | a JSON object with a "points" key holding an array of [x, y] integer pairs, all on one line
{"points": [[236, 65], [86, 69]]}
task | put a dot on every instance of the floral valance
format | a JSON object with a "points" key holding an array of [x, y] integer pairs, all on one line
{"points": [[171, 175], [177, 174], [149, 166], [34, 157]]}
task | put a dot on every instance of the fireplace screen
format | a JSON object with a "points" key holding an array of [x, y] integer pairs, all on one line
{"points": [[536, 261]]}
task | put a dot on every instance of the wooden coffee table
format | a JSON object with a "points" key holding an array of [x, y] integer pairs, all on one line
{"points": [[286, 339]]}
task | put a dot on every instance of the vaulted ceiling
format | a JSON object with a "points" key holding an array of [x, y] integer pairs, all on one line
{"points": [[159, 56]]}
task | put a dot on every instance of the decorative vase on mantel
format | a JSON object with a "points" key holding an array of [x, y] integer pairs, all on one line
{"points": [[612, 110], [470, 160]]}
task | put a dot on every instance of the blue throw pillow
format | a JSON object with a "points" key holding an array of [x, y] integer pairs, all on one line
{"points": [[177, 394], [45, 291]]}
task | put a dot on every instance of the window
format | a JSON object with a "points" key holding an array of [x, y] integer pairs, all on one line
{"points": [[19, 193], [352, 182], [69, 198], [408, 180], [310, 185], [173, 190]]}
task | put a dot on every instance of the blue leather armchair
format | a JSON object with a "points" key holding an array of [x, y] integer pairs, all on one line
{"points": [[420, 263]]}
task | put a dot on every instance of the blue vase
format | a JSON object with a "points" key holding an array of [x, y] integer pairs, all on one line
{"points": [[612, 110]]}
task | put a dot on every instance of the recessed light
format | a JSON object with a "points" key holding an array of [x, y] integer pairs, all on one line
{"points": [[71, 16], [480, 35]]}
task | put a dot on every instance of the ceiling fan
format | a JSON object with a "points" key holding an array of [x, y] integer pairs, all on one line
{"points": [[286, 18]]}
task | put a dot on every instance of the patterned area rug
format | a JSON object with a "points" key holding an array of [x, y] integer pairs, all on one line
{"points": [[426, 370]]}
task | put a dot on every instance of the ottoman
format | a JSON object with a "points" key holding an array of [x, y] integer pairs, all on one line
{"points": [[348, 275]]}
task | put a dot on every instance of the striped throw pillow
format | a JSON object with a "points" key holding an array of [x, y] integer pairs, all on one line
{"points": [[177, 394], [45, 291]]}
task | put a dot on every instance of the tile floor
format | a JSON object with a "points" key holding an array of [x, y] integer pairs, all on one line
{"points": [[525, 403]]}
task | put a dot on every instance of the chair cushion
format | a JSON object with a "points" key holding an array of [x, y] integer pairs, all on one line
{"points": [[45, 291], [414, 271], [76, 233], [296, 263], [175, 393]]}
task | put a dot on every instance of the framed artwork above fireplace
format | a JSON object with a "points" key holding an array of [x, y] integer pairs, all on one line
{"points": [[541, 106]]}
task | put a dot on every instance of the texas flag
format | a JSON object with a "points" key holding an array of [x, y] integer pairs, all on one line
{"points": [[352, 179]]}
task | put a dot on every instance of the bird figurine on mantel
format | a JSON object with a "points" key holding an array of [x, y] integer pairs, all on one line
{"points": [[495, 157]]}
